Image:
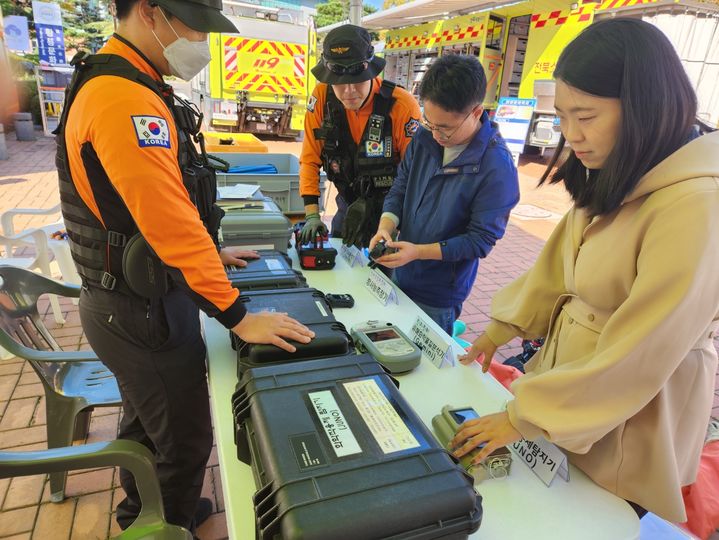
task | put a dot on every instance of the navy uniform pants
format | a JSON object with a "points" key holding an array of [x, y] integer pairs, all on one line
{"points": [[156, 351]]}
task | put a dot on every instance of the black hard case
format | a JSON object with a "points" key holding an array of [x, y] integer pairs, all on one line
{"points": [[306, 492], [308, 306], [273, 270]]}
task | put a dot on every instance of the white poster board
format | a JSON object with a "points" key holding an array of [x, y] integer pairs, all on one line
{"points": [[513, 117]]}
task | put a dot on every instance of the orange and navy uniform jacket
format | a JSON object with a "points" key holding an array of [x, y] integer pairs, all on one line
{"points": [[108, 150], [405, 116]]}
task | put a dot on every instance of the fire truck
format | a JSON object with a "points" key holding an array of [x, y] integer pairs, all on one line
{"points": [[258, 80]]}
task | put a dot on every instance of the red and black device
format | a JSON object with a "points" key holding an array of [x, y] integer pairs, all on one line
{"points": [[317, 255]]}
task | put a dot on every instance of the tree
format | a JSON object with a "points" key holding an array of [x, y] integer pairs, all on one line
{"points": [[87, 24], [334, 11], [17, 7]]}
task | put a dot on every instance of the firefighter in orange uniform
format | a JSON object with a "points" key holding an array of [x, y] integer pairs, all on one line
{"points": [[357, 128], [138, 202]]}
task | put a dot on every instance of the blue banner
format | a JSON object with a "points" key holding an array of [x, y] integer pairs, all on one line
{"points": [[51, 44]]}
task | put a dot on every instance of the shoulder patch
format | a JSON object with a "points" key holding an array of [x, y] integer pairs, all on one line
{"points": [[311, 103], [151, 131], [411, 127]]}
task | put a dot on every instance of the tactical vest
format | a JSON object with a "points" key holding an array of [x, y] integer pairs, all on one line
{"points": [[96, 249], [359, 170]]}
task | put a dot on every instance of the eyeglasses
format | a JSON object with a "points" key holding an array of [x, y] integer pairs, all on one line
{"points": [[352, 69], [442, 134]]}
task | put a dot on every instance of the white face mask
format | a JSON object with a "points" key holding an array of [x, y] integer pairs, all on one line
{"points": [[186, 58]]}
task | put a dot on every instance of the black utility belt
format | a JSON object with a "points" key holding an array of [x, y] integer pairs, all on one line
{"points": [[377, 184], [110, 283], [114, 284]]}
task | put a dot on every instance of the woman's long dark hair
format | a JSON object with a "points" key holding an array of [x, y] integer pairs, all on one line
{"points": [[631, 60]]}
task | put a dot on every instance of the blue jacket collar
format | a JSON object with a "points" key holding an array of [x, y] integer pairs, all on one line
{"points": [[472, 154]]}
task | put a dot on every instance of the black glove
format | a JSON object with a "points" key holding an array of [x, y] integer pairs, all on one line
{"points": [[354, 231], [313, 227]]}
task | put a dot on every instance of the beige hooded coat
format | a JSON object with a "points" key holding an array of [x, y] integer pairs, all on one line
{"points": [[629, 303]]}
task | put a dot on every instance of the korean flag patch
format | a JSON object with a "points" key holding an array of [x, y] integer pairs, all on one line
{"points": [[151, 131], [374, 148]]}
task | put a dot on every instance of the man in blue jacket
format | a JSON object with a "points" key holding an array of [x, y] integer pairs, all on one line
{"points": [[452, 195]]}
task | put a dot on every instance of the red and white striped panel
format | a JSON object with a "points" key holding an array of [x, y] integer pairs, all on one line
{"points": [[300, 66], [230, 59]]}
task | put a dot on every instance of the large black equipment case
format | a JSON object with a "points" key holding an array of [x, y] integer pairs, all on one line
{"points": [[337, 453], [273, 270], [308, 306]]}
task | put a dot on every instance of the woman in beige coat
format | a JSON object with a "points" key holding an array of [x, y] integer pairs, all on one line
{"points": [[627, 287]]}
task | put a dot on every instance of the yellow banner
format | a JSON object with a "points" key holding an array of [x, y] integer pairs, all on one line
{"points": [[549, 33]]}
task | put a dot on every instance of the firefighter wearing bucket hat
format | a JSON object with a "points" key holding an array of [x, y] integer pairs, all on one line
{"points": [[138, 203], [357, 128]]}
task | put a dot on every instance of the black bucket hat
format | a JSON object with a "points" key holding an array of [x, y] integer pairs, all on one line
{"points": [[348, 57], [201, 15]]}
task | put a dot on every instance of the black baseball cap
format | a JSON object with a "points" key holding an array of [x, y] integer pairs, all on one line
{"points": [[201, 15], [348, 57]]}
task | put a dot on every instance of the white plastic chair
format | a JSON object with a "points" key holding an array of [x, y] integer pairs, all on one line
{"points": [[44, 245]]}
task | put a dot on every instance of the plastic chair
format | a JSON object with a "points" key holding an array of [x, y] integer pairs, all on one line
{"points": [[75, 382], [130, 455], [34, 238], [59, 248]]}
